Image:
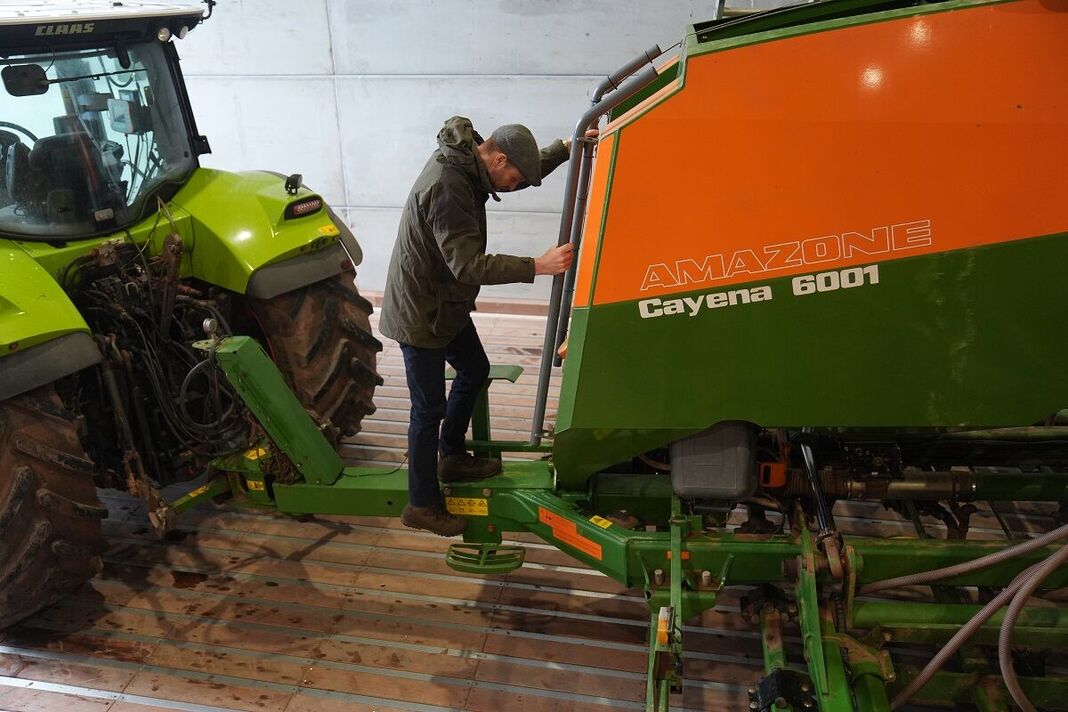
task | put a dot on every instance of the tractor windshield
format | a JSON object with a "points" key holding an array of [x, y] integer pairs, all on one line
{"points": [[86, 138]]}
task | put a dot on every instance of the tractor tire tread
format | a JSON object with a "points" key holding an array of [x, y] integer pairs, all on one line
{"points": [[316, 334], [48, 454], [50, 515], [361, 335], [69, 507], [329, 317], [24, 486], [44, 407], [352, 297]]}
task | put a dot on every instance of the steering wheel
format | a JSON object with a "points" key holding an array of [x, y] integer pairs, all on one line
{"points": [[20, 129]]}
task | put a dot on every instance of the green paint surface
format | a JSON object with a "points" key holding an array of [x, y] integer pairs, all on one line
{"points": [[260, 384], [231, 224], [808, 18], [238, 225], [33, 308], [964, 338]]}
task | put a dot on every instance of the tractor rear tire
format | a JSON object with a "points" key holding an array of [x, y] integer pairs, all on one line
{"points": [[320, 338], [50, 530]]}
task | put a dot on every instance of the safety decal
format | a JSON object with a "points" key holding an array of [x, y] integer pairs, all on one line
{"points": [[600, 521], [566, 531], [255, 453], [469, 506], [198, 491]]}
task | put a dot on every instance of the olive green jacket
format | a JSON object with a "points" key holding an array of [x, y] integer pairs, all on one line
{"points": [[439, 260]]}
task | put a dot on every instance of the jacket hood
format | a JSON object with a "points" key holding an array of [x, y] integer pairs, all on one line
{"points": [[457, 140]]}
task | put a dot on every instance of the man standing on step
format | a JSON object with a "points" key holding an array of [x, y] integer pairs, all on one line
{"points": [[439, 262]]}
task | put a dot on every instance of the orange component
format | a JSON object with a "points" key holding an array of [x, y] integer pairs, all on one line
{"points": [[772, 474], [663, 625], [591, 233], [738, 176], [566, 531], [685, 555]]}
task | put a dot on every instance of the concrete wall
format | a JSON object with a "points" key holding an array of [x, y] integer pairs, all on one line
{"points": [[351, 94]]}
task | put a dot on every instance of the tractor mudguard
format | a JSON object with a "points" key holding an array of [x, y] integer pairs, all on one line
{"points": [[248, 239], [42, 335]]}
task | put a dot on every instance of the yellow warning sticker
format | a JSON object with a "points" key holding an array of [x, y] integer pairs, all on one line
{"points": [[255, 453], [198, 491], [471, 506], [600, 521], [330, 229], [256, 485]]}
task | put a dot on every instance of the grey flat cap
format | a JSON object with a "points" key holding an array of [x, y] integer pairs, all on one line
{"points": [[516, 142]]}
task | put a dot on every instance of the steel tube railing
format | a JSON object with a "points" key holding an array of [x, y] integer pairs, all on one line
{"points": [[568, 219]]}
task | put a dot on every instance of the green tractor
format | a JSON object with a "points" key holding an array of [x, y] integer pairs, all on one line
{"points": [[117, 251], [879, 323]]}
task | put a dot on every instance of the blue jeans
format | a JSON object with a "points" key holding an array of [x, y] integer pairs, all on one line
{"points": [[425, 371]]}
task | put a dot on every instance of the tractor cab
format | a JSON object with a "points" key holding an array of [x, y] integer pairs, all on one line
{"points": [[95, 124]]}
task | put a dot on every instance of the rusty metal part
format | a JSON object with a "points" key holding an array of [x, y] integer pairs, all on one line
{"points": [[106, 255], [277, 467], [137, 480], [956, 485], [830, 543], [764, 596], [170, 259]]}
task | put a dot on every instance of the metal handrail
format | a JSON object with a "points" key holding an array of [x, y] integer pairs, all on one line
{"points": [[579, 164], [613, 80], [581, 193]]}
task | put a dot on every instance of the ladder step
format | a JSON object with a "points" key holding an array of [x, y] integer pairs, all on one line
{"points": [[484, 558]]}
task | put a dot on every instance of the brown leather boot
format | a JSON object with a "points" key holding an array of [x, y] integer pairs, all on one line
{"points": [[454, 468], [433, 519]]}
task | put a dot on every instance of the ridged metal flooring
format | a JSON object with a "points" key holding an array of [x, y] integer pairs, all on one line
{"points": [[255, 611]]}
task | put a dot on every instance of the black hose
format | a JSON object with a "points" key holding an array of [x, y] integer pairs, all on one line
{"points": [[183, 392], [824, 518]]}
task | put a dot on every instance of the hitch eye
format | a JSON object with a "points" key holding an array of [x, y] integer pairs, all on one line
{"points": [[303, 207]]}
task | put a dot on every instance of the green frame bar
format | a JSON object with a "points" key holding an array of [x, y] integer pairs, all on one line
{"points": [[260, 384], [481, 440], [934, 623], [680, 566], [949, 688]]}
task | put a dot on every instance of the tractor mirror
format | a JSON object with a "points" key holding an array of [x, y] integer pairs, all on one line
{"points": [[24, 79]]}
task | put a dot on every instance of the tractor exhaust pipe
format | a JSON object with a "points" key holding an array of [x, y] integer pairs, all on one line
{"points": [[578, 174]]}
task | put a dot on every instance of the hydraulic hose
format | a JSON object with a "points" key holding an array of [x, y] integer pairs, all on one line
{"points": [[824, 518], [961, 637], [1008, 624], [969, 566]]}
